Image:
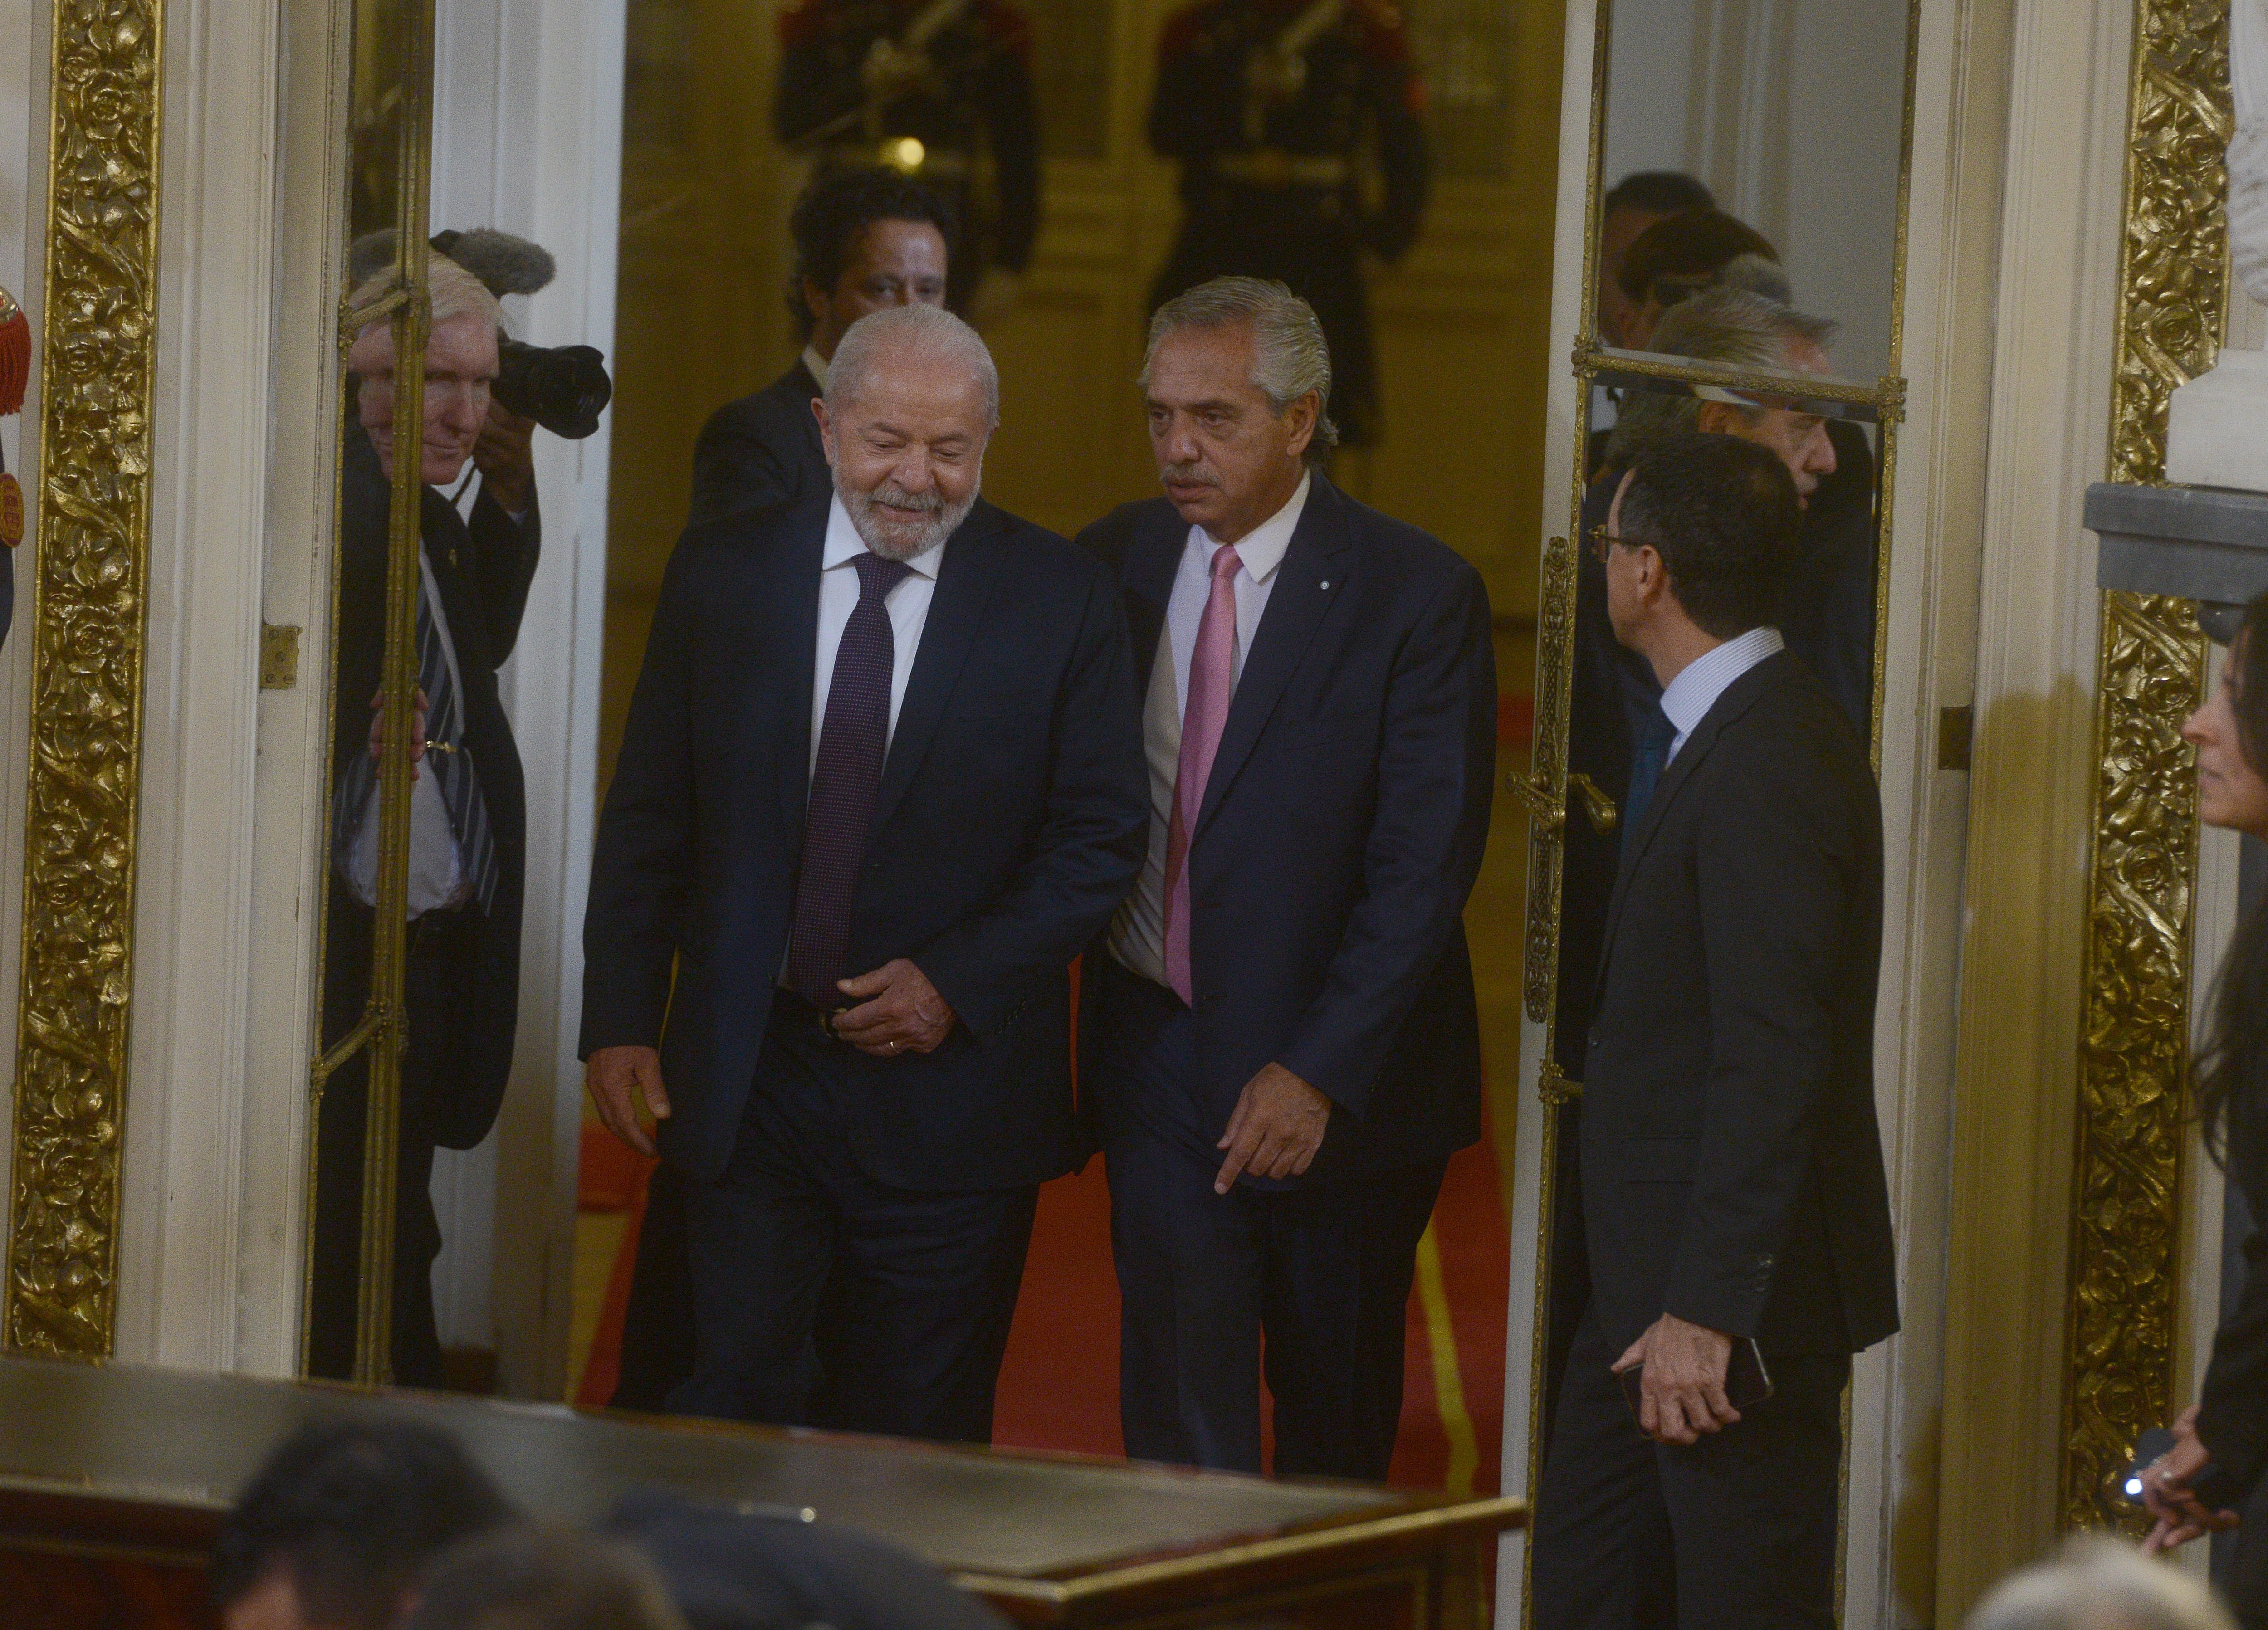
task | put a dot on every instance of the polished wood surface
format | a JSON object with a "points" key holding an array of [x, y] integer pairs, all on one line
{"points": [[110, 1468]]}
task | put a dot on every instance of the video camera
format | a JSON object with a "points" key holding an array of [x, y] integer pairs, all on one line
{"points": [[562, 388]]}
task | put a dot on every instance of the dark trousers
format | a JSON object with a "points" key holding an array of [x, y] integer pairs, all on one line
{"points": [[1322, 1272], [824, 1298], [1737, 1529], [657, 1353], [439, 945]]}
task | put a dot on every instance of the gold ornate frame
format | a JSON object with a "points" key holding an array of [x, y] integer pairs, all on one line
{"points": [[97, 376], [88, 627], [2133, 1051]]}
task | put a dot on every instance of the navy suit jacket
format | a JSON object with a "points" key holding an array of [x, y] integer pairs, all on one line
{"points": [[1009, 826], [1342, 828], [761, 451], [1732, 1166]]}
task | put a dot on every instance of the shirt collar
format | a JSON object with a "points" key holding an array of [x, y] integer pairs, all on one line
{"points": [[817, 363], [844, 543], [1688, 698], [1261, 550]]}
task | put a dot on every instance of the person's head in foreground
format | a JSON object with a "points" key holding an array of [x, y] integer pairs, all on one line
{"points": [[1630, 206], [334, 1529], [2099, 1584], [542, 1576], [755, 1570], [912, 398], [1236, 378]]}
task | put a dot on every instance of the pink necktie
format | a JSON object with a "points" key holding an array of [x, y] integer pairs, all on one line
{"points": [[1213, 677]]}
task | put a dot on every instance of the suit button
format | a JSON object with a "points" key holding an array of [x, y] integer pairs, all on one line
{"points": [[1594, 1041]]}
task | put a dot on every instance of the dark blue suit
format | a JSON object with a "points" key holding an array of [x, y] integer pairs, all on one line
{"points": [[1341, 832], [1008, 827]]}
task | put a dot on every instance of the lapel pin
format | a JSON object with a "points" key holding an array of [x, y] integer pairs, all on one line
{"points": [[1327, 583]]}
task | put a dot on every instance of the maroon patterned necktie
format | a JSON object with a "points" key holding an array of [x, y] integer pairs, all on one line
{"points": [[844, 783]]}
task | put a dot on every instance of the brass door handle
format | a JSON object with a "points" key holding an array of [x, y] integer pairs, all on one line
{"points": [[1597, 807], [1550, 814]]}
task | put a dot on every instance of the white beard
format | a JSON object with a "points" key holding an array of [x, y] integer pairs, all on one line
{"points": [[893, 541]]}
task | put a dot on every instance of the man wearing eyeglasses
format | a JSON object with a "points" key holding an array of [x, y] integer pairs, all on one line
{"points": [[1734, 1211]]}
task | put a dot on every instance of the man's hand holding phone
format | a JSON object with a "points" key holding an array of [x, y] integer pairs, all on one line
{"points": [[1683, 1380]]}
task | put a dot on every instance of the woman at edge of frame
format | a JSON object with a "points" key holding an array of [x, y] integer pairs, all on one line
{"points": [[2221, 1441]]}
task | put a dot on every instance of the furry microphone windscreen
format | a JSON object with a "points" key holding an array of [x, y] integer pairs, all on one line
{"points": [[506, 264]]}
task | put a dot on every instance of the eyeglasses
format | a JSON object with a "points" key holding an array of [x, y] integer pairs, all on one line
{"points": [[1602, 540]]}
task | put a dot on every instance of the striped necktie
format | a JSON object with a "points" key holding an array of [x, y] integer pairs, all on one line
{"points": [[446, 760]]}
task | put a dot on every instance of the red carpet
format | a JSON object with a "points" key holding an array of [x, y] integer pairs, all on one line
{"points": [[1059, 1387]]}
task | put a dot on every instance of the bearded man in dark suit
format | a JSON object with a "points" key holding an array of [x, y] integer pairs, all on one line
{"points": [[1735, 1213], [881, 780]]}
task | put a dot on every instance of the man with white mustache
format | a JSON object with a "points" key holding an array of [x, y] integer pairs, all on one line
{"points": [[881, 780]]}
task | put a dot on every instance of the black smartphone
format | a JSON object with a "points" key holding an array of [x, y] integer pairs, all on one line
{"points": [[2125, 1488], [1746, 1382]]}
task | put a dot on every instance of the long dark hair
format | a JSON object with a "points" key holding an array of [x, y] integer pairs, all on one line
{"points": [[2230, 1076]]}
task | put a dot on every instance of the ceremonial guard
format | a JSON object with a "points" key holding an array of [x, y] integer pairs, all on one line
{"points": [[1300, 127], [940, 89]]}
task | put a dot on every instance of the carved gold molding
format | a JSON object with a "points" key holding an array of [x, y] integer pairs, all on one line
{"points": [[2133, 1035], [96, 381]]}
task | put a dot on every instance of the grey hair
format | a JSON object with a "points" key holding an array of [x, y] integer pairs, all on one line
{"points": [[455, 292], [1758, 275], [925, 333], [1725, 325], [2099, 1584], [1290, 356]]}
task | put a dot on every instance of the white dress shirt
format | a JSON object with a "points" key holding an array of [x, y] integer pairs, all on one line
{"points": [[1137, 938], [907, 605], [437, 860], [1688, 698]]}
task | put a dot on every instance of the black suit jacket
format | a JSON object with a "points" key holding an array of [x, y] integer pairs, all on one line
{"points": [[1731, 1167], [1343, 826], [761, 451], [1009, 826], [482, 570]]}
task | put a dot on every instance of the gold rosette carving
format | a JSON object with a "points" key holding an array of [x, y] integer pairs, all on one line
{"points": [[96, 383], [2151, 665]]}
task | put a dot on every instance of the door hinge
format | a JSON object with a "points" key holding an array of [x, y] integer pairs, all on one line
{"points": [[279, 657]]}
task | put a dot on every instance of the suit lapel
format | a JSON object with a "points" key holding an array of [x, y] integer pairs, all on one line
{"points": [[957, 610], [1296, 605], [1729, 707], [1153, 558]]}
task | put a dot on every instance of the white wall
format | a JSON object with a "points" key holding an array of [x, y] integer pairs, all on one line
{"points": [[528, 130], [1790, 110]]}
